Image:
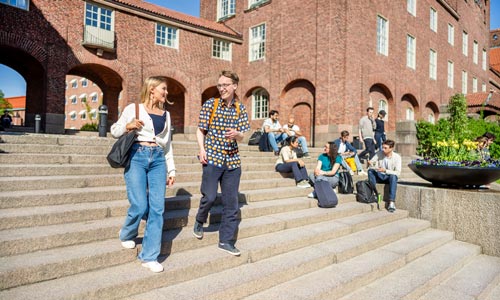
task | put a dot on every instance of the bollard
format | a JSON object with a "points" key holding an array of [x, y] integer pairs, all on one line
{"points": [[38, 120], [103, 120]]}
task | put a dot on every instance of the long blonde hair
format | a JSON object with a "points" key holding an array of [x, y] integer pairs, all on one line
{"points": [[151, 82]]}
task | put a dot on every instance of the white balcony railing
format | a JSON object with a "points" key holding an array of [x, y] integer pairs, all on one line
{"points": [[99, 38]]}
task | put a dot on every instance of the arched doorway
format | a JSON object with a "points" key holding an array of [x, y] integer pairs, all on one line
{"points": [[297, 99]]}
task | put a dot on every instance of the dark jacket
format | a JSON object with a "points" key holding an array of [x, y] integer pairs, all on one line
{"points": [[348, 146]]}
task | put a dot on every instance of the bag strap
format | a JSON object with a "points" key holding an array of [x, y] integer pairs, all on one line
{"points": [[214, 109], [136, 110]]}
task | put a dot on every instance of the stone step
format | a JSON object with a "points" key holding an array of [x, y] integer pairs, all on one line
{"points": [[24, 240], [250, 190], [421, 275], [54, 263], [129, 278], [361, 274], [26, 183], [476, 280], [248, 279]]}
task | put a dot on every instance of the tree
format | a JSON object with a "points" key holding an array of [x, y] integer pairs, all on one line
{"points": [[4, 104]]}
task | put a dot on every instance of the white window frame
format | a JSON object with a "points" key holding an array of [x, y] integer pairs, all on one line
{"points": [[74, 99], [451, 34], [260, 104], [74, 83], [252, 3], [83, 114], [411, 7], [484, 59], [411, 48], [382, 35], [257, 42], [225, 9], [433, 19], [93, 97], [451, 76], [465, 43], [474, 84], [431, 118], [475, 52], [410, 114], [166, 36], [221, 49], [99, 17], [464, 82], [22, 4], [93, 114], [483, 87], [72, 115], [85, 82], [383, 105], [432, 64]]}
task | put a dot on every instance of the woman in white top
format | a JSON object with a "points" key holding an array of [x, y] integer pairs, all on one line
{"points": [[151, 168], [288, 162]]}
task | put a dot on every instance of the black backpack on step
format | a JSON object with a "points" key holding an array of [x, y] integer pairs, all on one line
{"points": [[366, 192]]}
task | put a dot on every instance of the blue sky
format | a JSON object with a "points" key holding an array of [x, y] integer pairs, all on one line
{"points": [[12, 84]]}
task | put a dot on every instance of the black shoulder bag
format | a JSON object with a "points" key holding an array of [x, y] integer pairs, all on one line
{"points": [[119, 156]]}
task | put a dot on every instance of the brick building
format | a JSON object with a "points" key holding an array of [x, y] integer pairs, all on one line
{"points": [[82, 100], [322, 61]]}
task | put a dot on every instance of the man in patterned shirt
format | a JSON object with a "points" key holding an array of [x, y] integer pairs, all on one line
{"points": [[222, 123]]}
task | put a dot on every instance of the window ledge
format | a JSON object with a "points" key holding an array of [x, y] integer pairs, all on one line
{"points": [[257, 5]]}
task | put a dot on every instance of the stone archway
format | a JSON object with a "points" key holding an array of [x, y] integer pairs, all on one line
{"points": [[297, 99], [381, 99]]}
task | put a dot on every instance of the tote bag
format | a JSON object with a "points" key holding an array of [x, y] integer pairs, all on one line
{"points": [[119, 155]]}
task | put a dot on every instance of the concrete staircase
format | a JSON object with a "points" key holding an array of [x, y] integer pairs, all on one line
{"points": [[61, 207]]}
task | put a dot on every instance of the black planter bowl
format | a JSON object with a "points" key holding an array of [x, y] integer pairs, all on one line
{"points": [[456, 176]]}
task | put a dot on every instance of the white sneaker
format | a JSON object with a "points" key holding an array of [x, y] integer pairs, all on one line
{"points": [[351, 172], [362, 173], [311, 195], [303, 184], [153, 266], [128, 244]]}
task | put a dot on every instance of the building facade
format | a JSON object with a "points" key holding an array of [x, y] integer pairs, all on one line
{"points": [[322, 61]]}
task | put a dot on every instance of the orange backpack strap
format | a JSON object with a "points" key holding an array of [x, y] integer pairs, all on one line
{"points": [[214, 109]]}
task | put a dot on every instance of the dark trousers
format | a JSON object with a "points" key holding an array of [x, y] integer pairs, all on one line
{"points": [[298, 173], [377, 177], [369, 148], [229, 184], [379, 138]]}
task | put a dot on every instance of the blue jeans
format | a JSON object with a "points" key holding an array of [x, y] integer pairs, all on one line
{"points": [[379, 138], [377, 177], [274, 139], [303, 144], [146, 178], [229, 185], [298, 173]]}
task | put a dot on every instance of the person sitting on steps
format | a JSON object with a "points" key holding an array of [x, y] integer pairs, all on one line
{"points": [[327, 167], [288, 162], [385, 167], [347, 150], [275, 132], [291, 129]]}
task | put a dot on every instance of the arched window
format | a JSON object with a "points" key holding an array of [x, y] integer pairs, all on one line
{"points": [[260, 104]]}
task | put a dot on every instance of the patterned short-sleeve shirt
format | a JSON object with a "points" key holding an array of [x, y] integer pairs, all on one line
{"points": [[221, 151]]}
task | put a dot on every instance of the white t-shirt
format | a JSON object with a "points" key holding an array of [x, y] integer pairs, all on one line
{"points": [[342, 148], [272, 125], [292, 130]]}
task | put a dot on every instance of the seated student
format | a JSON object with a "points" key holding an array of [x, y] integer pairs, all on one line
{"points": [[288, 162], [327, 167], [293, 130], [347, 150], [385, 167], [274, 131]]}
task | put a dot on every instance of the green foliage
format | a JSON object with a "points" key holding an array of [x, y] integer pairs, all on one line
{"points": [[455, 129], [89, 127], [458, 117], [4, 104]]}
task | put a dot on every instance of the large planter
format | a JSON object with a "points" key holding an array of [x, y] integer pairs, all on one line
{"points": [[456, 175]]}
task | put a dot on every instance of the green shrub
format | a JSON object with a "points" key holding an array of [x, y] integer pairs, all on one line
{"points": [[89, 127]]}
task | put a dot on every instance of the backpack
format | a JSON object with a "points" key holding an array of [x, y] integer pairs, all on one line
{"points": [[366, 192], [255, 138], [326, 195], [346, 185]]}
